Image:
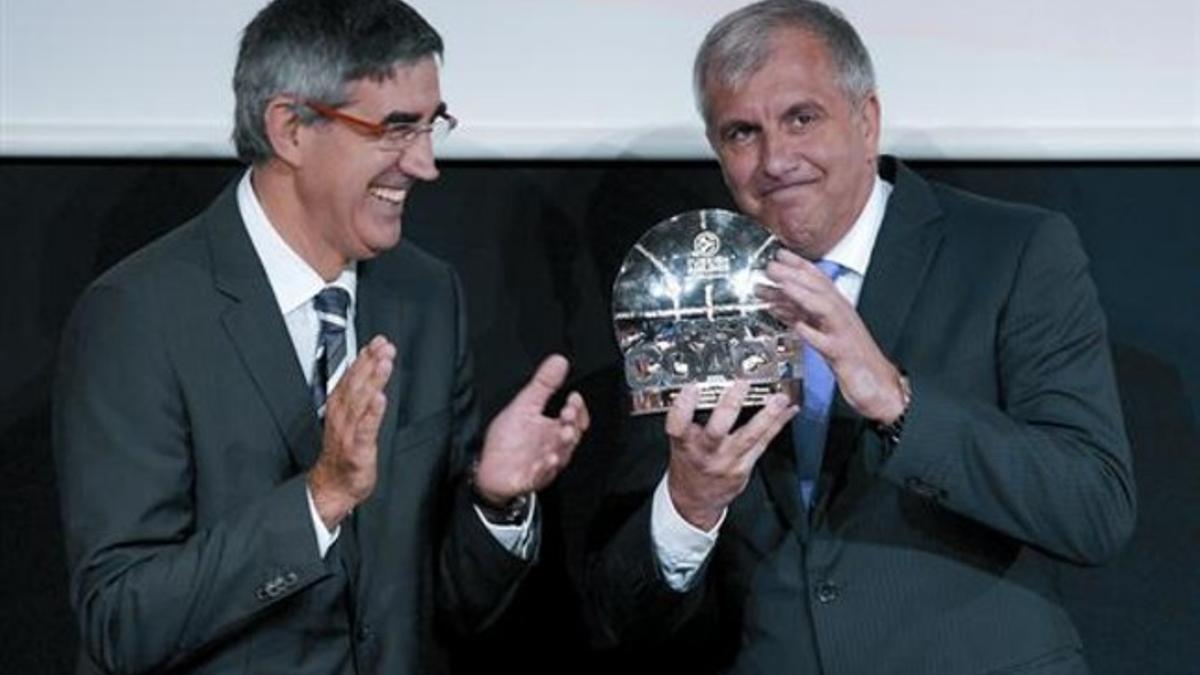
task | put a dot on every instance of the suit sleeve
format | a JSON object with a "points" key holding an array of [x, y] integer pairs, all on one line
{"points": [[477, 575], [150, 589], [1048, 462], [629, 599], [625, 595]]}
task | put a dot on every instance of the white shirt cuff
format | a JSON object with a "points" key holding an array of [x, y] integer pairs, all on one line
{"points": [[681, 548], [325, 538], [519, 540]]}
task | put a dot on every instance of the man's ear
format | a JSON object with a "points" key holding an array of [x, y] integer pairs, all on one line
{"points": [[284, 129], [869, 118]]}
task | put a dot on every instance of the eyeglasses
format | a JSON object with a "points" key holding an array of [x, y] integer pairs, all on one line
{"points": [[391, 135]]}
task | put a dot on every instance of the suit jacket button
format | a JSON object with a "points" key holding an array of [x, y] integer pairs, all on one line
{"points": [[363, 633], [827, 592]]}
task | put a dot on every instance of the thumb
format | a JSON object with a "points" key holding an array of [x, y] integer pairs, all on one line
{"points": [[546, 380]]}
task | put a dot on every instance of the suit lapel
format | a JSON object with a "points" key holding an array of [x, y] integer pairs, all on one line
{"points": [[257, 330], [906, 245], [381, 309]]}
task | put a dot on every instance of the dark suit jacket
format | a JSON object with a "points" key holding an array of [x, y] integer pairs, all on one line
{"points": [[941, 556], [182, 432]]}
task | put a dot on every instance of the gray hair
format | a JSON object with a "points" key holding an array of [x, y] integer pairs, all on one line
{"points": [[313, 49], [739, 44]]}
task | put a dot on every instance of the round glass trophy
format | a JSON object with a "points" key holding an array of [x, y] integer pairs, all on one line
{"points": [[684, 311]]}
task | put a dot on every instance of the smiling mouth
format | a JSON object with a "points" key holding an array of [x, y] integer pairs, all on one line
{"points": [[387, 194], [772, 190]]}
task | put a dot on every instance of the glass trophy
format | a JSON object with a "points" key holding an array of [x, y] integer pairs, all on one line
{"points": [[684, 311]]}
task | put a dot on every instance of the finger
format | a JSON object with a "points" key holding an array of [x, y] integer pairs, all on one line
{"points": [[362, 383], [546, 380], [382, 348], [583, 418], [765, 424], [813, 337], [567, 442], [564, 455], [380, 374], [769, 293], [781, 273], [568, 414], [378, 343], [384, 366], [342, 405], [366, 431], [797, 290], [791, 266], [820, 308], [368, 382], [683, 408], [729, 406], [779, 304], [802, 268], [793, 259], [568, 435], [751, 457], [799, 286], [786, 315], [574, 412]]}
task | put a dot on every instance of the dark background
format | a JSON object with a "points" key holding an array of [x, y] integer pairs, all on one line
{"points": [[536, 245]]}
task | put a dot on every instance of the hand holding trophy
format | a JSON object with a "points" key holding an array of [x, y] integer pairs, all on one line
{"points": [[695, 337]]}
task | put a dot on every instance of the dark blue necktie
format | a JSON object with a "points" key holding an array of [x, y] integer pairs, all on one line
{"points": [[331, 305], [812, 422]]}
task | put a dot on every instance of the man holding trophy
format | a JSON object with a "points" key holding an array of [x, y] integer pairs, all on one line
{"points": [[952, 430]]}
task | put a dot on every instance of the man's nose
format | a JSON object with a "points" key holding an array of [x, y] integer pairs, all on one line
{"points": [[778, 153], [418, 161]]}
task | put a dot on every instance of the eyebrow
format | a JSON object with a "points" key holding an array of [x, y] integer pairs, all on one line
{"points": [[396, 117], [809, 107], [730, 125]]}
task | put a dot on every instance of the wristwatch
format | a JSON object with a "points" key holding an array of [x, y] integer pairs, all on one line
{"points": [[890, 433], [512, 512]]}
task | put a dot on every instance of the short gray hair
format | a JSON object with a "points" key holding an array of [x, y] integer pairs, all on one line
{"points": [[739, 44], [312, 49]]}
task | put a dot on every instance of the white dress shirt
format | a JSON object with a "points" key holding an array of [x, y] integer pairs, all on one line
{"points": [[295, 284], [682, 548]]}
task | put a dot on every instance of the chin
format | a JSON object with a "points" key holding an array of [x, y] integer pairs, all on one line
{"points": [[382, 236], [796, 239], [378, 247]]}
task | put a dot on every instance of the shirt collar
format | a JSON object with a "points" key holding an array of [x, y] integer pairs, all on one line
{"points": [[292, 280], [853, 251]]}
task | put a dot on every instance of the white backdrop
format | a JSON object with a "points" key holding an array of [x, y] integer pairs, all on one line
{"points": [[959, 79]]}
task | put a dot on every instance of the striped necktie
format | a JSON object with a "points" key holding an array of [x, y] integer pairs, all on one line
{"points": [[812, 422], [331, 305]]}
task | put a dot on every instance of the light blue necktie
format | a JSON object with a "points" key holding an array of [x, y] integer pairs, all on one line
{"points": [[812, 422], [331, 305]]}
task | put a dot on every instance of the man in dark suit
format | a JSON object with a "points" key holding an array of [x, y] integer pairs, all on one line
{"points": [[241, 493], [910, 516]]}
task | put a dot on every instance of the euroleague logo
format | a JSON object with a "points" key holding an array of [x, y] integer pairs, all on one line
{"points": [[704, 261], [706, 244]]}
